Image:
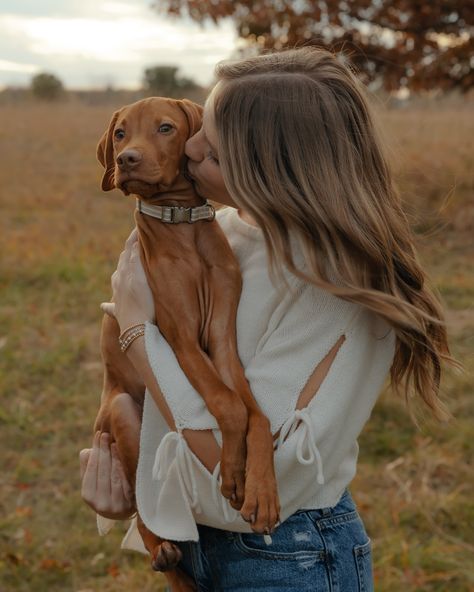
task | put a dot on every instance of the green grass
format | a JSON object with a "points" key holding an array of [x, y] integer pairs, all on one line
{"points": [[60, 238]]}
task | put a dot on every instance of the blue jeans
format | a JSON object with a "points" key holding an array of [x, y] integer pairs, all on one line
{"points": [[323, 550]]}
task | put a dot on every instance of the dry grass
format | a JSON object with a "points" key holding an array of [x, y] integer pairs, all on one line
{"points": [[59, 241]]}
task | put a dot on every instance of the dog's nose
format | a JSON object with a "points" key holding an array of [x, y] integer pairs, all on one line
{"points": [[128, 159]]}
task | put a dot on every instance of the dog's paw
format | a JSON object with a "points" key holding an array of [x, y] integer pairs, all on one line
{"points": [[261, 507], [233, 462], [233, 482], [166, 556]]}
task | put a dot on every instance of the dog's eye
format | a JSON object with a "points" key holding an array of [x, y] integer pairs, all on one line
{"points": [[165, 128], [119, 134]]}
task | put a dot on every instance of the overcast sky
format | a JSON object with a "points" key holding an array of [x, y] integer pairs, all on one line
{"points": [[94, 43]]}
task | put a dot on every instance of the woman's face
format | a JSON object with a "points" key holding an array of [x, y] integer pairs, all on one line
{"points": [[203, 164]]}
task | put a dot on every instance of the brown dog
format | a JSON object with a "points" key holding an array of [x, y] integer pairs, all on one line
{"points": [[143, 154]]}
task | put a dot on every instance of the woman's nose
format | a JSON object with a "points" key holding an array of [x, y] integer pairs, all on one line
{"points": [[192, 149]]}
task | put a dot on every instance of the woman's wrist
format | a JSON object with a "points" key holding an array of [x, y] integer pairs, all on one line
{"points": [[136, 352], [131, 334], [128, 322]]}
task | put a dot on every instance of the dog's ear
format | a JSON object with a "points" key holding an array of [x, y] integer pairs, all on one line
{"points": [[193, 113], [105, 154]]}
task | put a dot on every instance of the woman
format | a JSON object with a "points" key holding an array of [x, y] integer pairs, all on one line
{"points": [[333, 299]]}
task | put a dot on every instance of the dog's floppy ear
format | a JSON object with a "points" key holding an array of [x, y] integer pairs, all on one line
{"points": [[105, 154], [193, 113]]}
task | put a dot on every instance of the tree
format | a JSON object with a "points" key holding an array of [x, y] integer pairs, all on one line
{"points": [[416, 44], [46, 86], [162, 80]]}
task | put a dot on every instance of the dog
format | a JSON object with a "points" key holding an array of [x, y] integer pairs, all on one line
{"points": [[142, 152]]}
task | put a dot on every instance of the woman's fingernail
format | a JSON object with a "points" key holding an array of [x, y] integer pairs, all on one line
{"points": [[252, 518], [233, 497]]}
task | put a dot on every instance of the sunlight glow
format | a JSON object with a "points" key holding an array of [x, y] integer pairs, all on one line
{"points": [[122, 40]]}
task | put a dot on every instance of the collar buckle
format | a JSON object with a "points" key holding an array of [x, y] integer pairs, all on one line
{"points": [[180, 214]]}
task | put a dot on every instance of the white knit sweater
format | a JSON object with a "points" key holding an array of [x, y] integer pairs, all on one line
{"points": [[282, 336]]}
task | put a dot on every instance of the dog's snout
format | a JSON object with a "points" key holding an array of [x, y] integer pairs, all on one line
{"points": [[128, 159]]}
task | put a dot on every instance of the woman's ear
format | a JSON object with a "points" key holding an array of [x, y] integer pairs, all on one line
{"points": [[193, 113], [105, 154]]}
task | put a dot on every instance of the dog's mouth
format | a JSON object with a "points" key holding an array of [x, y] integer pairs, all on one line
{"points": [[142, 188]]}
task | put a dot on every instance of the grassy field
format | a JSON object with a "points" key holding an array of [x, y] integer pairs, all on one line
{"points": [[60, 237]]}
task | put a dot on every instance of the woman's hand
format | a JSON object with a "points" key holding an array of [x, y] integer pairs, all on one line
{"points": [[104, 485], [132, 298]]}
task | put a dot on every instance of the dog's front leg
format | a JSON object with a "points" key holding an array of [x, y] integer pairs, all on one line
{"points": [[228, 409]]}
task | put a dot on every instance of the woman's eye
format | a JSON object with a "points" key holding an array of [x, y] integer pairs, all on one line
{"points": [[211, 156], [119, 134], [165, 128]]}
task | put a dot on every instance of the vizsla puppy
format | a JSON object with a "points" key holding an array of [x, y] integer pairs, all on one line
{"points": [[196, 284]]}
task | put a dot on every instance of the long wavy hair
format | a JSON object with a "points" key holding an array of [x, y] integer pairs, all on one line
{"points": [[299, 151]]}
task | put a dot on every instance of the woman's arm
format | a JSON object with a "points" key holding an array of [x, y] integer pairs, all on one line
{"points": [[201, 442], [104, 485], [134, 304]]}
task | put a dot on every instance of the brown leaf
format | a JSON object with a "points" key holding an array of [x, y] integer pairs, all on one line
{"points": [[113, 570], [49, 563], [22, 486], [23, 511]]}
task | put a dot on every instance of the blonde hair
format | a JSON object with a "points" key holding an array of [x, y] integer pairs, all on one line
{"points": [[299, 151]]}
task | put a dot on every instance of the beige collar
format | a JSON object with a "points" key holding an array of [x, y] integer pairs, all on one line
{"points": [[177, 214]]}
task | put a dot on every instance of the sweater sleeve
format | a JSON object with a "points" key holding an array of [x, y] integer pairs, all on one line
{"points": [[325, 432]]}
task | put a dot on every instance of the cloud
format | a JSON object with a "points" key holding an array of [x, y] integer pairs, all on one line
{"points": [[73, 8], [6, 66], [121, 8], [106, 40]]}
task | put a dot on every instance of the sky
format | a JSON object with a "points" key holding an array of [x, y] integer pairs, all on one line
{"points": [[99, 43]]}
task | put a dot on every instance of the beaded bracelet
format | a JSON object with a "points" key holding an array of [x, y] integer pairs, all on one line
{"points": [[128, 336]]}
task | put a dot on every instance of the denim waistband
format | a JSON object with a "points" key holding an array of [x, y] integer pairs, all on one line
{"points": [[345, 504]]}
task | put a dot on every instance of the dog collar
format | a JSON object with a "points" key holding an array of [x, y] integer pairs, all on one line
{"points": [[177, 214]]}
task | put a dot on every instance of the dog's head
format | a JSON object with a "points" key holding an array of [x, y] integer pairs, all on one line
{"points": [[142, 150]]}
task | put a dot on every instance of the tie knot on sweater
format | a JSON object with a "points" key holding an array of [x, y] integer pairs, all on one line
{"points": [[307, 451]]}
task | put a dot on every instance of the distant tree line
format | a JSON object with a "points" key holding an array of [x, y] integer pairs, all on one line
{"points": [[414, 44], [157, 80], [163, 80]]}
